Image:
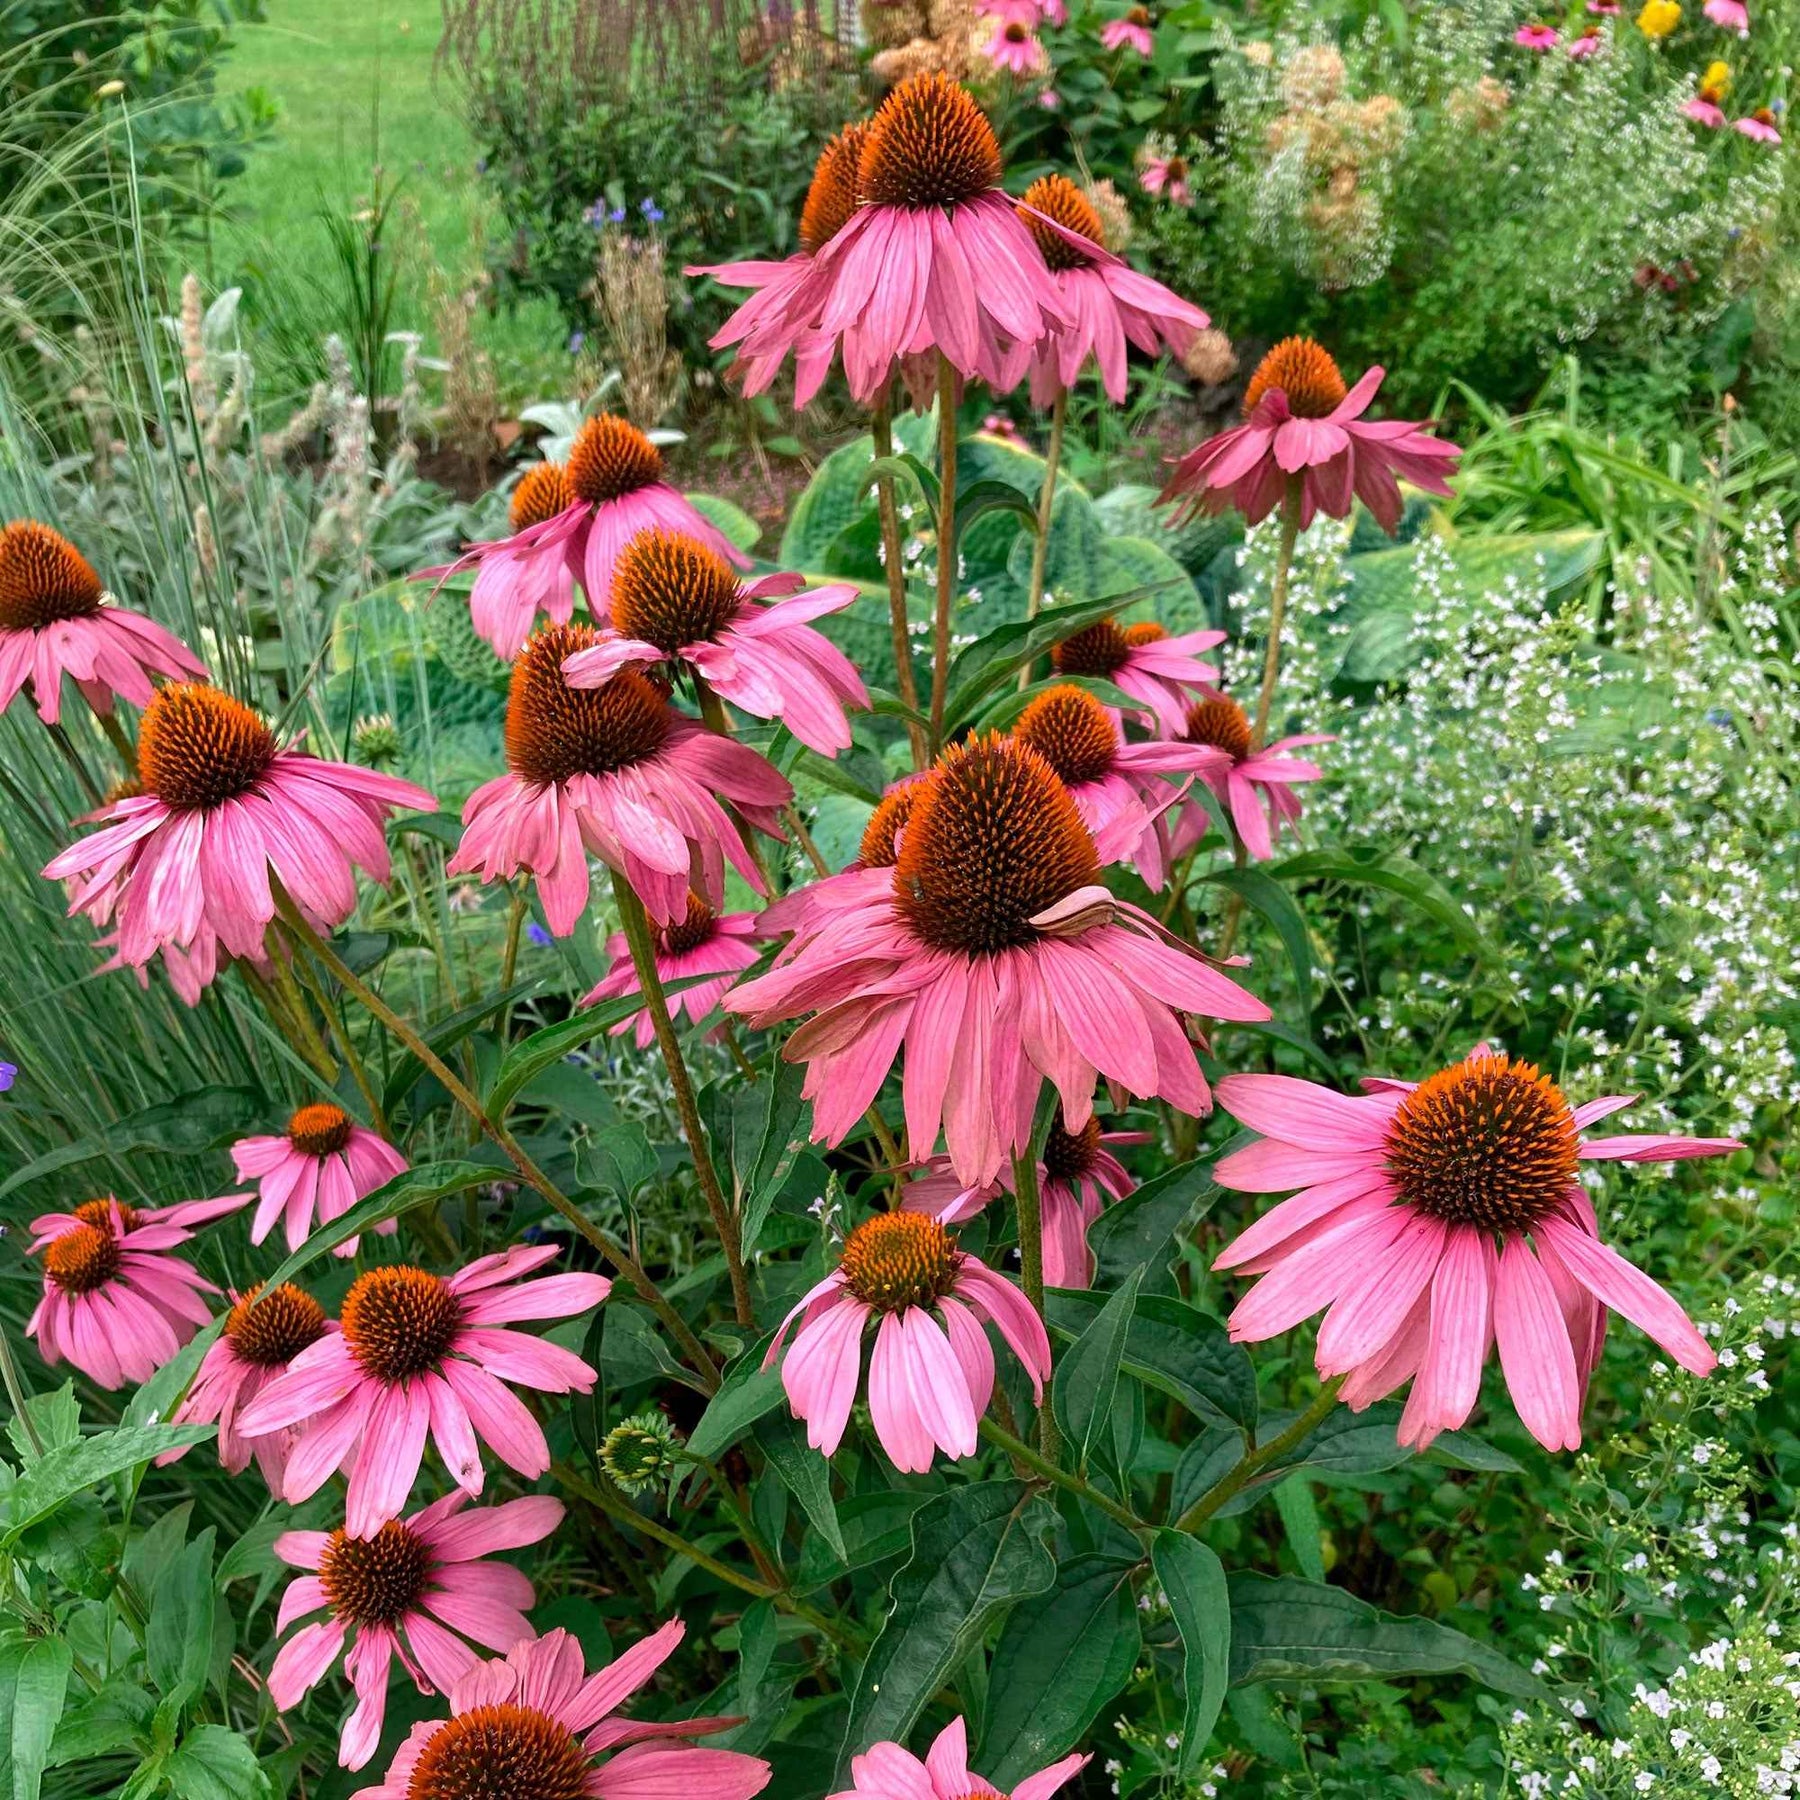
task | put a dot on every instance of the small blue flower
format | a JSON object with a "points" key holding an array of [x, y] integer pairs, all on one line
{"points": [[576, 340], [481, 165], [1718, 715], [616, 216], [650, 210], [538, 935], [9, 1073], [596, 215]]}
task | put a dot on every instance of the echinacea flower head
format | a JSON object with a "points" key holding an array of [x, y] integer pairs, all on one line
{"points": [[262, 1335], [889, 1771], [1732, 15], [1130, 32], [931, 1373], [420, 1355], [535, 1726], [702, 943], [1587, 44], [1166, 177], [1657, 18], [1255, 786], [1144, 661], [933, 257], [1120, 789], [618, 771], [319, 1167], [612, 487], [1013, 45], [1111, 303], [1302, 425], [1078, 1178], [56, 619], [1535, 37], [676, 601], [416, 1590], [116, 1304], [994, 957], [225, 811], [1434, 1219], [512, 585], [878, 848], [1759, 126]]}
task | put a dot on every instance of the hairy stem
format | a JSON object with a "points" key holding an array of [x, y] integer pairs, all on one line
{"points": [[881, 425], [1031, 1256], [1040, 551], [946, 549], [1278, 593], [1248, 1467], [115, 735], [641, 938], [1022, 1453]]}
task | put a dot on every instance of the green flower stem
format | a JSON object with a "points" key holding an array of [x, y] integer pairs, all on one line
{"points": [[946, 550], [340, 1035], [1031, 1255], [61, 739], [608, 1246], [1278, 593], [15, 1394], [641, 938], [292, 1013], [1021, 1452], [1040, 551], [881, 426], [115, 735], [1249, 1466]]}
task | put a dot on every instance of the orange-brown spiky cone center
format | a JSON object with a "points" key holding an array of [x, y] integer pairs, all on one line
{"points": [[1146, 631], [108, 1215], [669, 590], [886, 822], [376, 1580], [899, 1259], [611, 458], [542, 493], [1305, 372], [83, 1259], [319, 1129], [503, 1752], [1099, 650], [993, 840], [691, 931], [44, 579], [1489, 1142], [832, 197], [198, 747], [1058, 198], [270, 1330], [1071, 731], [929, 144], [399, 1321], [554, 731], [1221, 722], [1069, 1155]]}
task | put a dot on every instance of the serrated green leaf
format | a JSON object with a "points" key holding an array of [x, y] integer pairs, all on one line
{"points": [[745, 1395], [74, 1468], [34, 1682]]}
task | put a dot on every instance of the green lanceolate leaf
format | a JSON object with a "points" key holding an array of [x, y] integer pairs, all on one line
{"points": [[784, 1124], [34, 1683], [1276, 905], [74, 1468], [747, 1392], [444, 1035], [989, 661], [179, 1633], [1194, 1581], [1062, 1656], [1136, 1235], [803, 1471], [1393, 874], [1087, 1374], [975, 1551], [1286, 1629]]}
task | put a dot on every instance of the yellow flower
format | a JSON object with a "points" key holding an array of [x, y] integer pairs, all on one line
{"points": [[1716, 80], [1659, 18]]}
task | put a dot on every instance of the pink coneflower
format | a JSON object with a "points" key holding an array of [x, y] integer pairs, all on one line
{"points": [[993, 954], [1119, 789], [1078, 1178], [408, 1591], [1166, 177], [674, 600], [1015, 47], [1606, 9], [1703, 111], [1760, 126], [618, 771], [323, 1163], [878, 849], [532, 1727], [262, 1336], [514, 580], [115, 1303], [418, 1355], [931, 1374], [1111, 303], [1256, 787], [1536, 37], [56, 620], [703, 943], [1732, 15], [889, 1771], [1132, 32], [1142, 660], [1434, 1218], [1299, 421], [1586, 45], [932, 258], [224, 808], [616, 489]]}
